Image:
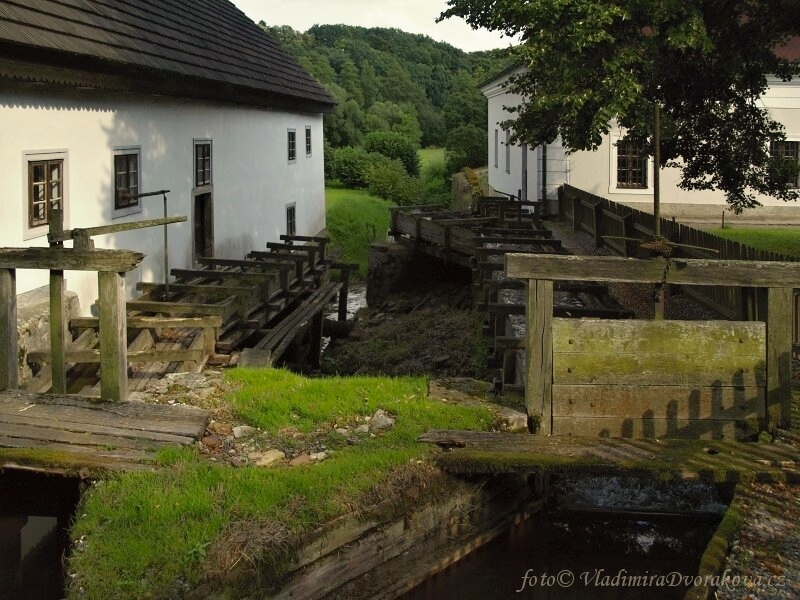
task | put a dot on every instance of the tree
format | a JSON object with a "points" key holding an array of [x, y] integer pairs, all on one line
{"points": [[701, 64], [395, 145]]}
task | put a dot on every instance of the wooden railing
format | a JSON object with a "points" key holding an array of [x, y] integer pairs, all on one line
{"points": [[607, 221]]}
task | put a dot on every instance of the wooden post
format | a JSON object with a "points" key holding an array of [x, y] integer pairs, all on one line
{"points": [[779, 357], [58, 332], [345, 275], [539, 385], [58, 309], [597, 223], [113, 337], [9, 346]]}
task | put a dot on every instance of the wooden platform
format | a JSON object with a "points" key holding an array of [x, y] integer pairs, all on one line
{"points": [[473, 452], [70, 434]]}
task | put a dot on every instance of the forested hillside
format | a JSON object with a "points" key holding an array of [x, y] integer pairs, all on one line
{"points": [[386, 79]]}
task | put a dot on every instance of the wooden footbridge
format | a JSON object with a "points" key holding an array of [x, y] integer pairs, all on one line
{"points": [[270, 305], [479, 239]]}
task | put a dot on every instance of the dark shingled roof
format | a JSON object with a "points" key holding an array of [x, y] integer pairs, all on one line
{"points": [[192, 48]]}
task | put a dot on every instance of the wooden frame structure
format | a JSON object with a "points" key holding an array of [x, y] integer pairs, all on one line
{"points": [[778, 279], [111, 266]]}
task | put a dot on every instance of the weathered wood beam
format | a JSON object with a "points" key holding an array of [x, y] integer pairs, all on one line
{"points": [[183, 308], [58, 332], [95, 356], [113, 337], [539, 355], [735, 273], [153, 322], [779, 355], [223, 291], [255, 278], [69, 259], [9, 348], [115, 228]]}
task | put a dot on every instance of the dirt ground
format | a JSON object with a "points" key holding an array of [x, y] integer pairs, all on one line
{"points": [[429, 330]]}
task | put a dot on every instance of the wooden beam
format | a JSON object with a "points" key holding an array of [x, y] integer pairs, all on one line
{"points": [[255, 278], [9, 346], [183, 308], [113, 337], [539, 355], [779, 356], [153, 322], [69, 259], [223, 291], [58, 332], [137, 356], [735, 273], [115, 228]]}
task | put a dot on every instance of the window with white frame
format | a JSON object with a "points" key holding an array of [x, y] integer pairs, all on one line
{"points": [[202, 163], [788, 151], [45, 190], [631, 165], [291, 219], [291, 145], [127, 166], [308, 141]]}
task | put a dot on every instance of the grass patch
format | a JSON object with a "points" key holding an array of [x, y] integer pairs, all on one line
{"points": [[430, 155], [161, 534], [781, 240], [355, 219]]}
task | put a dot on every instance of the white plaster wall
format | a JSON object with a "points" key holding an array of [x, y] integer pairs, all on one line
{"points": [[252, 178], [595, 172]]}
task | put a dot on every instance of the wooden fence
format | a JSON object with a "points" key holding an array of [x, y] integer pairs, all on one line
{"points": [[607, 221]]}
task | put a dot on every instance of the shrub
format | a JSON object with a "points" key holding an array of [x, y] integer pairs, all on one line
{"points": [[390, 181], [466, 147], [435, 181], [395, 146], [350, 165]]}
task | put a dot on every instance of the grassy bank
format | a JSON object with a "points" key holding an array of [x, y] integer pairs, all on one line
{"points": [[782, 240], [161, 534], [355, 219]]}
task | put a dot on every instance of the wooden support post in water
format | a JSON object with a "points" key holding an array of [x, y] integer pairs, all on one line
{"points": [[539, 358], [113, 337], [9, 346], [779, 356]]}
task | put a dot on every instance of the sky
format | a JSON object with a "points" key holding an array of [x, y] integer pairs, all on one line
{"points": [[413, 16]]}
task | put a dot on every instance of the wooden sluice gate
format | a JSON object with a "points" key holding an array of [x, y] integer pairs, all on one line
{"points": [[479, 239]]}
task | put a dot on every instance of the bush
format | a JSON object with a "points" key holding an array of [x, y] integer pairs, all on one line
{"points": [[435, 181], [350, 165], [395, 146], [467, 146], [390, 181]]}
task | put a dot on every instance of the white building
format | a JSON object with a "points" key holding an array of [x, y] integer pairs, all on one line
{"points": [[101, 101], [515, 169]]}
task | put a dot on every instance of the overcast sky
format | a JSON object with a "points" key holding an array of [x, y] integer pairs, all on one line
{"points": [[414, 16]]}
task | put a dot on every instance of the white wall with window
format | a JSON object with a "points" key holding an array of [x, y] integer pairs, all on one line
{"points": [[94, 155]]}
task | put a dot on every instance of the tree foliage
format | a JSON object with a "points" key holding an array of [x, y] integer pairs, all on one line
{"points": [[592, 65], [389, 80], [395, 145]]}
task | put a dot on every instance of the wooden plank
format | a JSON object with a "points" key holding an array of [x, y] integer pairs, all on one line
{"points": [[9, 348], [56, 421], [69, 259], [113, 337], [256, 357], [735, 273], [701, 338], [47, 434], [662, 402], [179, 420], [658, 369], [115, 228], [58, 332], [183, 308], [253, 278], [117, 459], [42, 381], [95, 356], [154, 322], [539, 343], [779, 355], [214, 290], [638, 428]]}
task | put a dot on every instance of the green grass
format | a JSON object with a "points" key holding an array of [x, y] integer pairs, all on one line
{"points": [[159, 534], [781, 240], [430, 155], [355, 219]]}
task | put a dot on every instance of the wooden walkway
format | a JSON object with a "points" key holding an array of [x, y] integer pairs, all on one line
{"points": [[67, 434], [473, 452]]}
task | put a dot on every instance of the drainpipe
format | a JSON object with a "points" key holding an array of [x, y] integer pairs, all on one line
{"points": [[544, 176]]}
